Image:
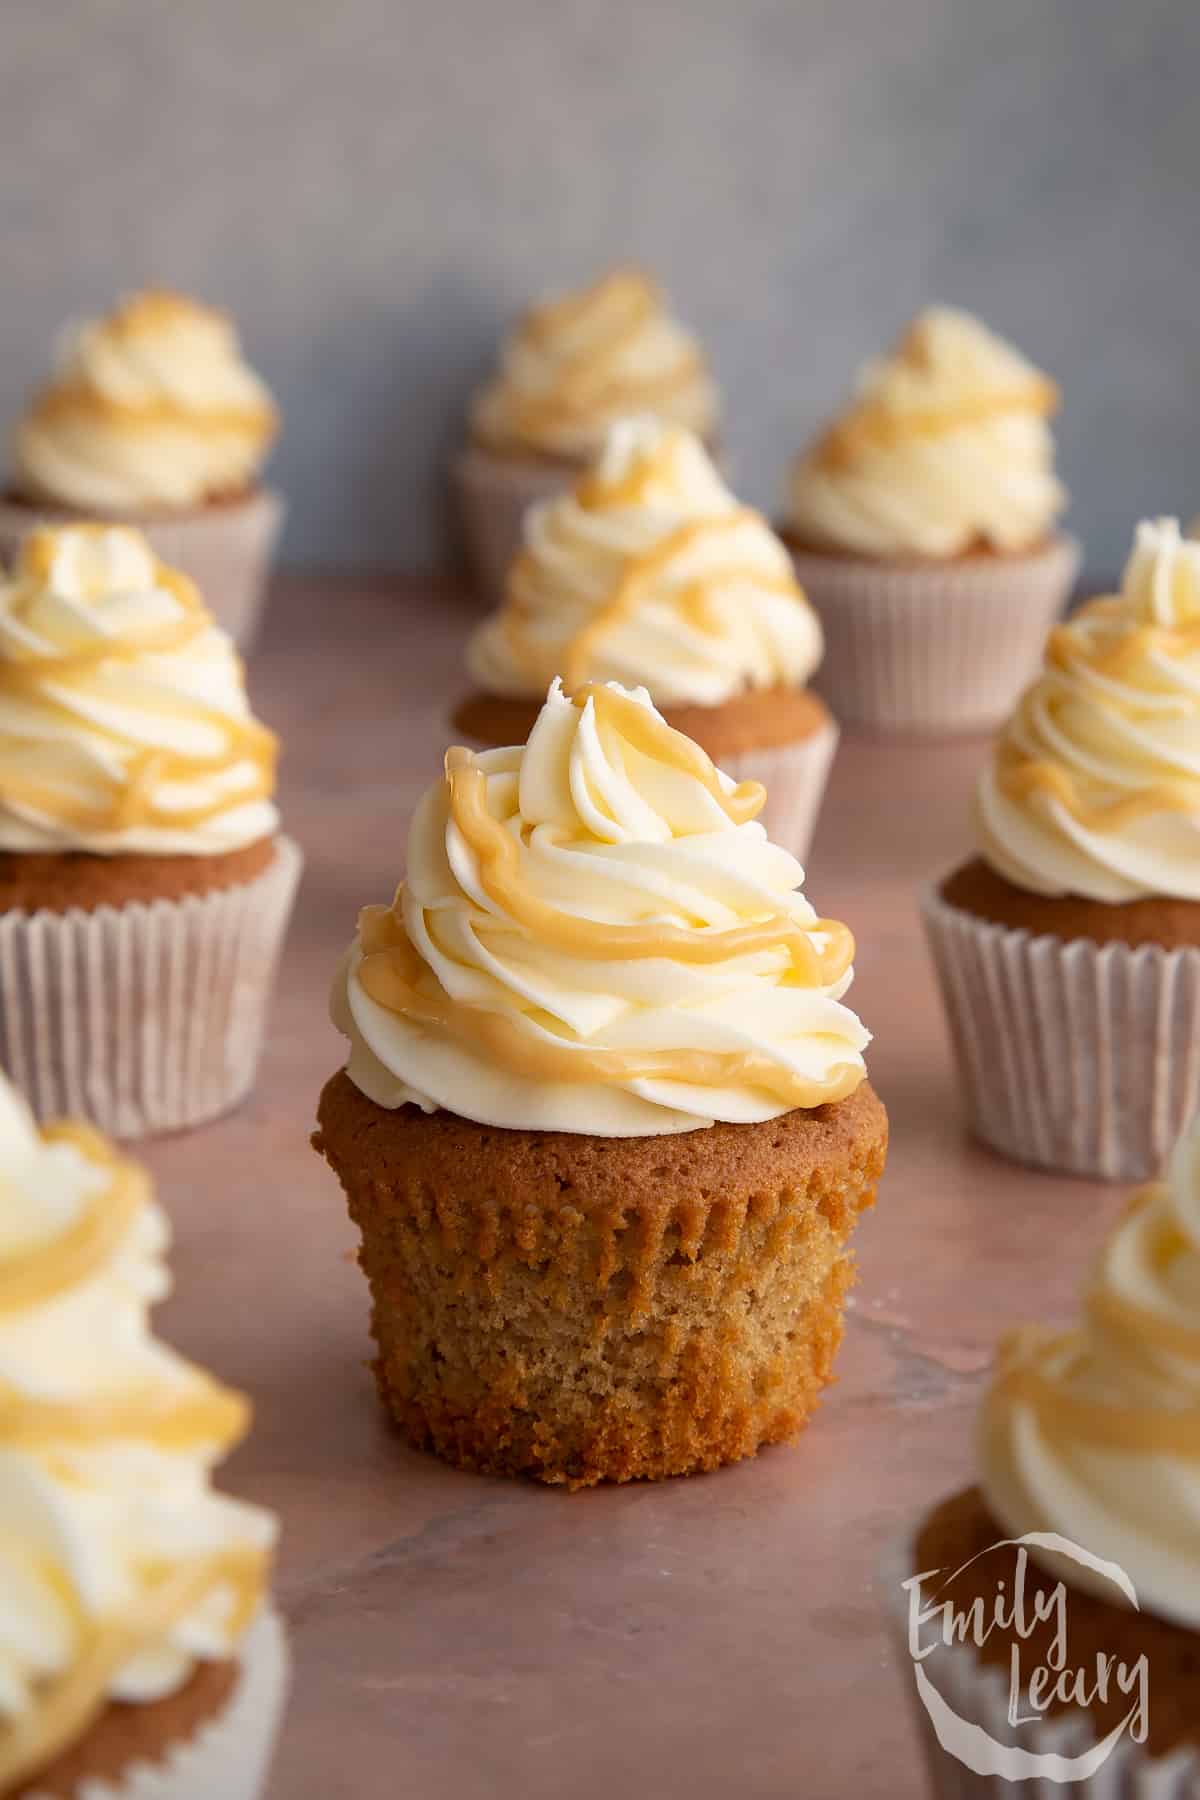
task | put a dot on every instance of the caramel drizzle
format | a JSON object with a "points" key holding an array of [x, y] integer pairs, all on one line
{"points": [[1102, 1424], [875, 425], [71, 1704], [38, 1275]]}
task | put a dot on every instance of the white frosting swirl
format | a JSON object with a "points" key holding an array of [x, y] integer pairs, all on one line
{"points": [[946, 449], [1095, 1433], [650, 574], [595, 935], [1094, 788], [107, 1442], [124, 723], [580, 361], [150, 407]]}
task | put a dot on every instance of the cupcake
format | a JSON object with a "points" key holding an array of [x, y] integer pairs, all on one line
{"points": [[573, 366], [1055, 1606], [648, 573], [153, 418], [144, 886], [605, 1127], [923, 528], [140, 1658], [1068, 947]]}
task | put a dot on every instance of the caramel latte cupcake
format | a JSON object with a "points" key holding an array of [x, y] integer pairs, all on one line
{"points": [[605, 1127], [144, 885], [923, 524], [1068, 947], [649, 573], [1079, 1549], [573, 366], [152, 418], [140, 1657]]}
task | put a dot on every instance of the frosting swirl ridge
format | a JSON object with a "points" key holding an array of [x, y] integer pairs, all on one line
{"points": [[946, 449], [1094, 787], [580, 361], [649, 573], [124, 723], [596, 935]]}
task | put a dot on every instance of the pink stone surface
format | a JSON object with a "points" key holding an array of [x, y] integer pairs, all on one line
{"points": [[471, 1638]]}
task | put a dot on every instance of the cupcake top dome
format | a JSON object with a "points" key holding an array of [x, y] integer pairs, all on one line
{"points": [[577, 362], [1094, 787], [649, 573], [1094, 1433], [124, 723], [596, 935], [944, 450], [120, 1565], [150, 407]]}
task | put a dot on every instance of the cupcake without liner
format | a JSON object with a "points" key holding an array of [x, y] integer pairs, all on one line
{"points": [[574, 365], [152, 418], [922, 524], [1089, 1491], [605, 1128], [649, 573], [145, 888], [142, 1658]]}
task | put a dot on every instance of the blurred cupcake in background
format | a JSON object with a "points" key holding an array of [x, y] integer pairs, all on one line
{"points": [[144, 885], [923, 524], [152, 418], [1067, 1653], [573, 365], [140, 1657], [648, 572], [1068, 947]]}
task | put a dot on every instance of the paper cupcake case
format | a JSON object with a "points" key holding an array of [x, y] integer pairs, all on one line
{"points": [[147, 1017], [1078, 1057], [228, 1757], [794, 776], [978, 1694], [934, 647], [492, 495], [225, 548]]}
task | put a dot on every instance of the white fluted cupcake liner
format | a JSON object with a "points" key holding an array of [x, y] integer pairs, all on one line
{"points": [[977, 1694], [146, 1017], [492, 495], [229, 1756], [226, 549], [1075, 1056], [794, 776], [934, 647]]}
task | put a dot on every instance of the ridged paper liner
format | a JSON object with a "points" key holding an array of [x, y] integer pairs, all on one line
{"points": [[978, 1693], [229, 1756], [492, 495], [931, 646], [146, 1017], [1079, 1057], [794, 776], [225, 548]]}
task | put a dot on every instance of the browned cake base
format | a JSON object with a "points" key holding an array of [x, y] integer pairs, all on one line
{"points": [[124, 1735], [962, 1528], [584, 1309], [763, 720], [979, 551], [57, 881], [977, 889], [55, 513]]}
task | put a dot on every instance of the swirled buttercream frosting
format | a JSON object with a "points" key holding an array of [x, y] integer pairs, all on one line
{"points": [[1094, 1433], [649, 573], [578, 362], [124, 723], [945, 449], [151, 407], [1094, 786], [596, 935], [120, 1565]]}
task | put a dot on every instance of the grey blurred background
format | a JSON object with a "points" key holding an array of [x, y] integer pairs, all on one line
{"points": [[376, 187]]}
